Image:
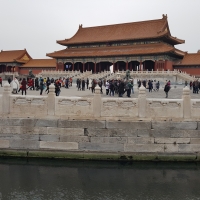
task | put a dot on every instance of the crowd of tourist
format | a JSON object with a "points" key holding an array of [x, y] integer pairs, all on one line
{"points": [[39, 84], [112, 87]]}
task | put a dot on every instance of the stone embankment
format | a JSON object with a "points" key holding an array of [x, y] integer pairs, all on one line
{"points": [[100, 139]]}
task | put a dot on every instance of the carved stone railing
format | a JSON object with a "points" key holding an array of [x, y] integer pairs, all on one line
{"points": [[9, 74], [97, 107], [144, 74]]}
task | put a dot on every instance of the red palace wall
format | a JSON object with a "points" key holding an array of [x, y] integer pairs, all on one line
{"points": [[168, 65], [25, 71], [192, 71]]}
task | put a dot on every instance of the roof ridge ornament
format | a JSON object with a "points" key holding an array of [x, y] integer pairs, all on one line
{"points": [[164, 16], [80, 25]]}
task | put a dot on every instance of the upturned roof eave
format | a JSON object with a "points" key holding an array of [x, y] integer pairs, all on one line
{"points": [[65, 43]]}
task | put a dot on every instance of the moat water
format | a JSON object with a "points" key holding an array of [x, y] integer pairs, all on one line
{"points": [[89, 180]]}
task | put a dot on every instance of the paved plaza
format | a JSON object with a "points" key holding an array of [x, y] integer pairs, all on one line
{"points": [[174, 93]]}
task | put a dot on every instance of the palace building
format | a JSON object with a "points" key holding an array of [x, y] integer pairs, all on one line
{"points": [[20, 61], [146, 45], [137, 46], [10, 61]]}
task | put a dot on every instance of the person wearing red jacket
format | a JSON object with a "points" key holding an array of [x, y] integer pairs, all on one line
{"points": [[1, 81], [23, 86]]}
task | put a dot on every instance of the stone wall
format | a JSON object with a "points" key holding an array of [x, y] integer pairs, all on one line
{"points": [[163, 138]]}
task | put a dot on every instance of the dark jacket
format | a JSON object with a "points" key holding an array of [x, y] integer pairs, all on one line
{"points": [[167, 88]]}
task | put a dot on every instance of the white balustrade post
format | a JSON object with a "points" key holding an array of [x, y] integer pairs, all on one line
{"points": [[6, 98], [186, 103], [142, 102], [97, 102], [51, 100]]}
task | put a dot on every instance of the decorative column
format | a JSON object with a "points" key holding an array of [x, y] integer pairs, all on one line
{"points": [[113, 67], [97, 102], [155, 66], [17, 69], [117, 66], [140, 66], [95, 67], [6, 99], [83, 66], [142, 102], [126, 65], [57, 66], [73, 66], [99, 67], [63, 67], [131, 66], [186, 103], [51, 100]]}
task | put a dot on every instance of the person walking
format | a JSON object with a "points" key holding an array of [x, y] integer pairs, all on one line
{"points": [[41, 85], [107, 87], [87, 82], [83, 85], [23, 86], [1, 81], [157, 86], [15, 85], [129, 86], [166, 89], [9, 80], [150, 85]]}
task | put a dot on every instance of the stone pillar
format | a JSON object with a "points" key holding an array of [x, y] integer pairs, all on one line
{"points": [[73, 66], [95, 67], [6, 99], [142, 102], [17, 69], [140, 66], [83, 67], [126, 65], [51, 100], [131, 66], [99, 67], [97, 102], [113, 67], [186, 103]]}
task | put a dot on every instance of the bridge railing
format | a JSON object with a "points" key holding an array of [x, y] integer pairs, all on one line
{"points": [[140, 108]]}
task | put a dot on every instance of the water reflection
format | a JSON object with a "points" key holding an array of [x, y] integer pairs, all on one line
{"points": [[56, 179]]}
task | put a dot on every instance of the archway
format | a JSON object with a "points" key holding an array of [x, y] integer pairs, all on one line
{"points": [[105, 66], [133, 65], [78, 66], [2, 68], [89, 66], [68, 66], [148, 65], [120, 65]]}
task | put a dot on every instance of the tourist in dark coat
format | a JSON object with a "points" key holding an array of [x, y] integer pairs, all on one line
{"points": [[83, 85], [23, 86], [9, 80], [41, 85], [121, 89], [87, 82], [166, 89], [150, 85]]}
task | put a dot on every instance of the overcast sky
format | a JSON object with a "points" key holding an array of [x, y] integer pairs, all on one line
{"points": [[37, 24]]}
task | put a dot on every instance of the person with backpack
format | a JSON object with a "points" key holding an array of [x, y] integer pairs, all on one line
{"points": [[128, 88]]}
